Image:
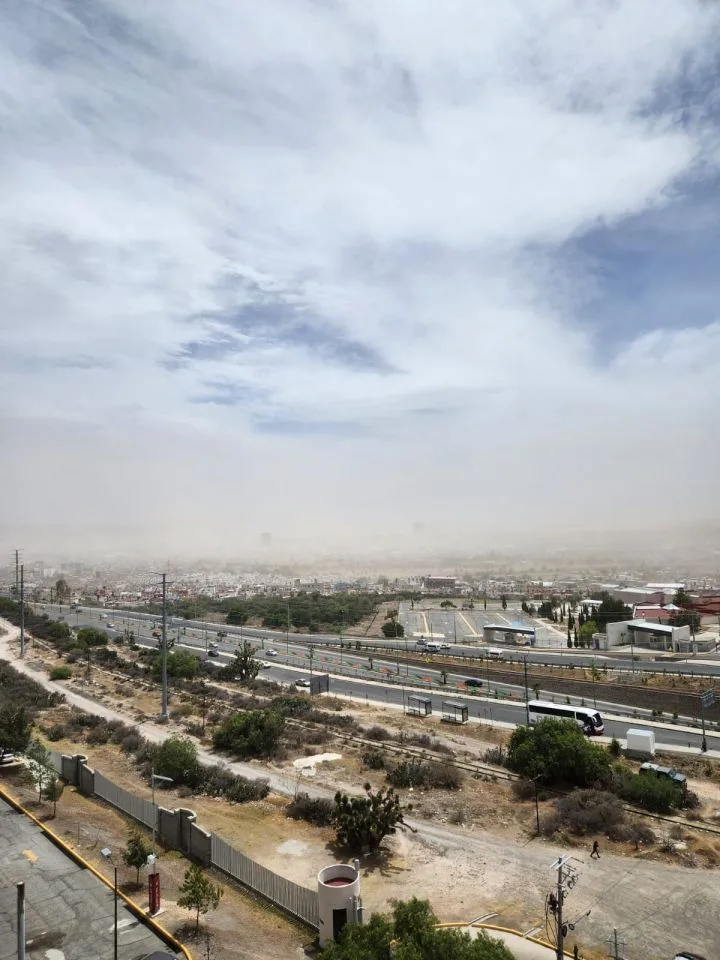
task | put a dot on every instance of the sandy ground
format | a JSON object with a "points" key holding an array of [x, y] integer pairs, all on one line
{"points": [[466, 872]]}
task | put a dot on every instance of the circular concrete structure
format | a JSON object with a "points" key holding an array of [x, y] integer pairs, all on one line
{"points": [[338, 899]]}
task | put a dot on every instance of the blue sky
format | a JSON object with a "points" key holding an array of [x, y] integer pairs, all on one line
{"points": [[336, 260]]}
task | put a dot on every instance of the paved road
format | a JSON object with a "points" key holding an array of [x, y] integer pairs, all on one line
{"points": [[67, 908], [708, 665], [385, 685]]}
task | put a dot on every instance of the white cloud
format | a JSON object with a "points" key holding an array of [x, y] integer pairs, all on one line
{"points": [[300, 182]]}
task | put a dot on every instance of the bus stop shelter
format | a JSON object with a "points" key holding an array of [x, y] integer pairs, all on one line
{"points": [[453, 712], [515, 633], [418, 706]]}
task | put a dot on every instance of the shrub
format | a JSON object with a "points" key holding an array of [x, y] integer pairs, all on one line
{"points": [[558, 752], [374, 759], [254, 734], [445, 776], [182, 710], [131, 742], [496, 755], [614, 748], [98, 736], [378, 733], [58, 731], [586, 811], [60, 673], [177, 758], [408, 773], [651, 793], [118, 730], [316, 810]]}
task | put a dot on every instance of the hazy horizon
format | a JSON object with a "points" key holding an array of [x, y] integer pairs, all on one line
{"points": [[309, 279]]}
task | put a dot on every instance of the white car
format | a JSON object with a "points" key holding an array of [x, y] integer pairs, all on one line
{"points": [[445, 646], [264, 665], [302, 683], [271, 653], [111, 626]]}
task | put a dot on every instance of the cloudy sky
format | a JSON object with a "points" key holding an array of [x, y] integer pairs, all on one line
{"points": [[354, 275]]}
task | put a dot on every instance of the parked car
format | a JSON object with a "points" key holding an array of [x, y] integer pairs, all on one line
{"points": [[664, 773], [303, 682], [473, 682]]}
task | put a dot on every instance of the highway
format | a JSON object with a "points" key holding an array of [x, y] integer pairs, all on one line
{"points": [[708, 666], [385, 681]]}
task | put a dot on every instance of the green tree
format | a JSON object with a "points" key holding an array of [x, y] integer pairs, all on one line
{"points": [[15, 727], [686, 618], [609, 611], [446, 604], [92, 637], [198, 892], [559, 754], [586, 632], [411, 933], [237, 615], [40, 766], [393, 629], [682, 598], [252, 734], [177, 758], [364, 822], [244, 667], [54, 789], [503, 601], [181, 665], [136, 853], [62, 591]]}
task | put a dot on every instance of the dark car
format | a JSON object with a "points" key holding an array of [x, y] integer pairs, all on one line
{"points": [[473, 682], [686, 955]]}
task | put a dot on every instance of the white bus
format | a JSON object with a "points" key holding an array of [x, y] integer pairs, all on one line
{"points": [[590, 720]]}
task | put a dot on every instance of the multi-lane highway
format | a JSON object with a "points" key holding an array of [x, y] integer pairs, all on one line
{"points": [[379, 679]]}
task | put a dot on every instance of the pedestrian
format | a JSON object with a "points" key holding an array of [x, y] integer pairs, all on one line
{"points": [[595, 850]]}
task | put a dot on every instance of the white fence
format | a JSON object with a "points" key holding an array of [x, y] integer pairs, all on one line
{"points": [[296, 900]]}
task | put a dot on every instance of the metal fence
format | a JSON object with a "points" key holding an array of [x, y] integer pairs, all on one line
{"points": [[136, 807], [296, 900]]}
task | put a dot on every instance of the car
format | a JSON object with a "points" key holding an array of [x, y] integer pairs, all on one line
{"points": [[446, 646], [421, 642], [213, 650], [6, 757], [473, 682], [664, 773], [111, 626], [264, 665], [271, 653], [303, 682], [686, 955]]}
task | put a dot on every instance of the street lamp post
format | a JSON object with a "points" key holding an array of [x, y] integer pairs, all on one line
{"points": [[106, 854]]}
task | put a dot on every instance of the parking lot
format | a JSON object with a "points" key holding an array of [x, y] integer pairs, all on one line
{"points": [[461, 626], [69, 912]]}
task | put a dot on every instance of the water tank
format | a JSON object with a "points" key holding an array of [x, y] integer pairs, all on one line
{"points": [[338, 900]]}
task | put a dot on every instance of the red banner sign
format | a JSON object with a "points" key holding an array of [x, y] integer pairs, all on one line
{"points": [[154, 892]]}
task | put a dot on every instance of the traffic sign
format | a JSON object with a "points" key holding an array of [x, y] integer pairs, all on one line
{"points": [[707, 699]]}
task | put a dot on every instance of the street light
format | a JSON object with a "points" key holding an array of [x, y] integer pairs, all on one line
{"points": [[153, 778], [106, 854]]}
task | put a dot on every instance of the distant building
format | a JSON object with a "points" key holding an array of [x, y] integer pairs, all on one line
{"points": [[655, 636], [439, 584]]}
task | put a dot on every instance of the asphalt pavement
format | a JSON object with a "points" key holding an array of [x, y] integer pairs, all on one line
{"points": [[69, 912], [385, 684]]}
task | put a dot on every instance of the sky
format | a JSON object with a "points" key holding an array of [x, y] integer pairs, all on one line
{"points": [[316, 275]]}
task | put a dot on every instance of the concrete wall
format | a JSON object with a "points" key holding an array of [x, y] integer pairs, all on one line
{"points": [[86, 778], [200, 845]]}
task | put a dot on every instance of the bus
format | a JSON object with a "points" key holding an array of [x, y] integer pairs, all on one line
{"points": [[589, 720]]}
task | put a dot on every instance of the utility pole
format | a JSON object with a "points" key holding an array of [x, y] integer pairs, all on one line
{"points": [[164, 715], [17, 574], [616, 946], [566, 878], [22, 610]]}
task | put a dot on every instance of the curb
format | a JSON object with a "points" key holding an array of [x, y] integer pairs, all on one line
{"points": [[81, 861], [493, 926]]}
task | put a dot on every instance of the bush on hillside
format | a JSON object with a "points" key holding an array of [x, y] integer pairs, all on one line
{"points": [[558, 753]]}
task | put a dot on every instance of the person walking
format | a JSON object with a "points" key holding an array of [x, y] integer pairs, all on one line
{"points": [[595, 850]]}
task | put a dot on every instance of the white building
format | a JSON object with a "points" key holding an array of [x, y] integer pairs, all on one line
{"points": [[642, 633]]}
